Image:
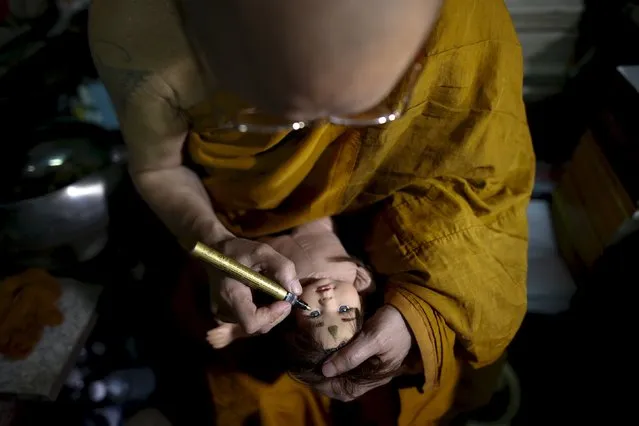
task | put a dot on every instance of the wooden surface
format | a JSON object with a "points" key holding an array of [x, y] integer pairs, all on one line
{"points": [[589, 206]]}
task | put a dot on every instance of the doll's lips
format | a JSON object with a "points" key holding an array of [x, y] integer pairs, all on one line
{"points": [[324, 288]]}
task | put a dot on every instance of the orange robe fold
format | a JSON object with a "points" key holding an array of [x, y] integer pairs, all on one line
{"points": [[451, 181]]}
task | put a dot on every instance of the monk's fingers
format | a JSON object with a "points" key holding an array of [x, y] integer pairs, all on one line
{"points": [[254, 320], [269, 316], [274, 265], [266, 260], [338, 389], [364, 346]]}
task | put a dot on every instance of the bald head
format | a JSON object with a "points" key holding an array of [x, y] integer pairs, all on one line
{"points": [[309, 58]]}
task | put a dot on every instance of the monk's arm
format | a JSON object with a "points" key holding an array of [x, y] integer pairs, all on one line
{"points": [[155, 131]]}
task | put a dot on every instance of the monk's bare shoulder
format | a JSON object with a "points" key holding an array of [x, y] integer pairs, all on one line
{"points": [[140, 51], [145, 63]]}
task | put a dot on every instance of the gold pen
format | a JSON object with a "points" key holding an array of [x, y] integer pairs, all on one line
{"points": [[246, 275]]}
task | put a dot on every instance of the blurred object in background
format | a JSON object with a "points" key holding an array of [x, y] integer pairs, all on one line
{"points": [[28, 304], [122, 386], [606, 158], [607, 38], [93, 105], [42, 373], [110, 380], [595, 201], [54, 199], [67, 204], [65, 157], [550, 284], [8, 412], [67, 9], [107, 416], [38, 71], [26, 9], [148, 417], [17, 18], [545, 181], [547, 30]]}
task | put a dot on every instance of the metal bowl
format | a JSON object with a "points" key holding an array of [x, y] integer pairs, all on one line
{"points": [[56, 212]]}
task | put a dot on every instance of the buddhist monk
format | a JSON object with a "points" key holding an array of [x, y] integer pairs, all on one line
{"points": [[406, 115]]}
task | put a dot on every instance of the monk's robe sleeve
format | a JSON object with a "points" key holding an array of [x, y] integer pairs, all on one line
{"points": [[453, 246]]}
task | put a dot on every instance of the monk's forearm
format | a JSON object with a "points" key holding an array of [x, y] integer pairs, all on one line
{"points": [[179, 199]]}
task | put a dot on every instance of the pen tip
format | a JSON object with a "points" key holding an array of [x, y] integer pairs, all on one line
{"points": [[301, 304]]}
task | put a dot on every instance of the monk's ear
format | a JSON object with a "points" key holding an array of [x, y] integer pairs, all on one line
{"points": [[364, 281]]}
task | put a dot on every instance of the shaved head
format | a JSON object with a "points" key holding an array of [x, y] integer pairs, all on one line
{"points": [[308, 58]]}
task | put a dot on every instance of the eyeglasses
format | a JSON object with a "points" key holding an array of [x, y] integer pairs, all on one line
{"points": [[252, 120]]}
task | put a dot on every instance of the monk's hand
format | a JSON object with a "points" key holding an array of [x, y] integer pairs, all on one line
{"points": [[233, 301], [387, 336]]}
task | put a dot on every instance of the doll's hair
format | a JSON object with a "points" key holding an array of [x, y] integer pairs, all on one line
{"points": [[306, 356]]}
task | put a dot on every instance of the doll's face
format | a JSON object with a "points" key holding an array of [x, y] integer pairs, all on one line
{"points": [[335, 306], [331, 282]]}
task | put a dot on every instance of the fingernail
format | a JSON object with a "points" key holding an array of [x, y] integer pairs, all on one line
{"points": [[328, 370], [297, 288]]}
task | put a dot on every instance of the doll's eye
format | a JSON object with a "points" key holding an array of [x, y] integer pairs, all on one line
{"points": [[344, 309], [314, 314]]}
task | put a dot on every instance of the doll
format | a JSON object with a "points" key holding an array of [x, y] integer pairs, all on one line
{"points": [[332, 283]]}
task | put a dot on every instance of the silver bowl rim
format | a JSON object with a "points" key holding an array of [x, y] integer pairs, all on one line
{"points": [[104, 174]]}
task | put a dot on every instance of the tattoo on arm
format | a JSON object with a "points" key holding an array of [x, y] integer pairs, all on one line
{"points": [[122, 84], [122, 81]]}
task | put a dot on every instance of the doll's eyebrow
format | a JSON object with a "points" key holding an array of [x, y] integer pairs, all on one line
{"points": [[349, 319], [318, 324]]}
